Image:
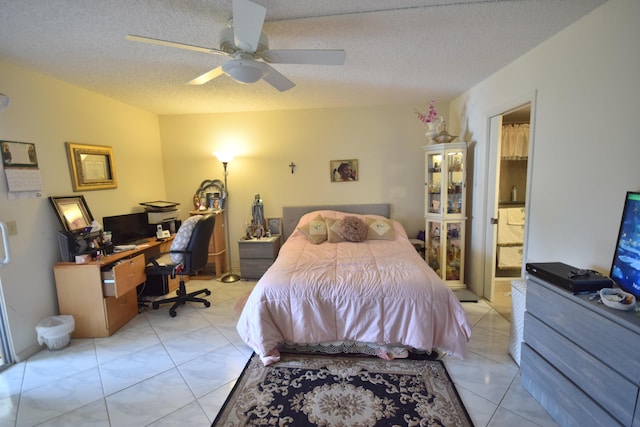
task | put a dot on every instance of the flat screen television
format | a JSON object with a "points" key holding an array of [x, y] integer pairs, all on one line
{"points": [[625, 268], [127, 229]]}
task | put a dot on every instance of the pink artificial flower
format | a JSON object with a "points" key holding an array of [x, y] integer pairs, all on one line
{"points": [[431, 115]]}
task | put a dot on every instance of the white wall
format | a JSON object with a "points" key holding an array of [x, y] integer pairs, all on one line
{"points": [[387, 141], [586, 146], [48, 112]]}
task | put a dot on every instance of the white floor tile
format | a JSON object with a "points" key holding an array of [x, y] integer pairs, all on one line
{"points": [[119, 374], [125, 342], [214, 369], [149, 400], [48, 366], [190, 415], [193, 344], [92, 415], [54, 399], [485, 377], [11, 380]]}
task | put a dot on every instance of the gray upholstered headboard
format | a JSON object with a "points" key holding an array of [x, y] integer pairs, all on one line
{"points": [[291, 214]]}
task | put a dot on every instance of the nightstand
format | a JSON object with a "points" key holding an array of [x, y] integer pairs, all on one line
{"points": [[257, 255]]}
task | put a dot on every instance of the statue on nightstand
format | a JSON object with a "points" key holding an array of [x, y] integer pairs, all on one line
{"points": [[257, 216]]}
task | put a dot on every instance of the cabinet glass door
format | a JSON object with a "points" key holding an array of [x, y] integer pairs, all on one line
{"points": [[432, 246], [453, 242], [455, 180], [434, 183]]}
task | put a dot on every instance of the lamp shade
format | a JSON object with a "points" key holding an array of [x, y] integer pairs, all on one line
{"points": [[223, 156]]}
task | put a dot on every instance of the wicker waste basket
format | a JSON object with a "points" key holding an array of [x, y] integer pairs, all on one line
{"points": [[55, 331]]}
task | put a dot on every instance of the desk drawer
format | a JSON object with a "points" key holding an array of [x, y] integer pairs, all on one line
{"points": [[123, 277], [120, 310]]}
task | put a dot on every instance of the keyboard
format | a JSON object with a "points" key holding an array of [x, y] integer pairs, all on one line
{"points": [[122, 248]]}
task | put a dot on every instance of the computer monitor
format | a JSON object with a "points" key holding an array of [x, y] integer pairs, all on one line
{"points": [[128, 228]]}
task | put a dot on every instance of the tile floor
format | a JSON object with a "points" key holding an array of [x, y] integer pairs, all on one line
{"points": [[163, 371]]}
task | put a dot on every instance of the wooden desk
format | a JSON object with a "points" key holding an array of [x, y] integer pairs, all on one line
{"points": [[99, 309]]}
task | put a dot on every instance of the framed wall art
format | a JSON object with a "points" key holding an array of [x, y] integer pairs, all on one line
{"points": [[92, 167], [343, 170]]}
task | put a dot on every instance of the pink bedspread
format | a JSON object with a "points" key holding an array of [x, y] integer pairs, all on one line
{"points": [[377, 291]]}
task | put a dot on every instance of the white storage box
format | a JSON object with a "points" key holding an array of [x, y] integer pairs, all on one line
{"points": [[518, 303], [55, 331]]}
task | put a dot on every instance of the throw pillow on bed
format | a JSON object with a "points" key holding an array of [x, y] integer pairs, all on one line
{"points": [[380, 229], [333, 230], [315, 231], [353, 229]]}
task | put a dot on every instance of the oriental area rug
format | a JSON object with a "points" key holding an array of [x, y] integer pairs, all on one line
{"points": [[343, 391]]}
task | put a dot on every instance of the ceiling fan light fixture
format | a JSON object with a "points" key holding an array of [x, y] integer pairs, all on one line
{"points": [[244, 71]]}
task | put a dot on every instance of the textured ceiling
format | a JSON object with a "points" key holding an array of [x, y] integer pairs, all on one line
{"points": [[397, 52]]}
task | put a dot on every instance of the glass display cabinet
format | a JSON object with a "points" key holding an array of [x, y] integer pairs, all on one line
{"points": [[445, 207]]}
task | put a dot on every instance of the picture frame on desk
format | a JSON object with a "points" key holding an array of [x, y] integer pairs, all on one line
{"points": [[92, 167], [73, 213]]}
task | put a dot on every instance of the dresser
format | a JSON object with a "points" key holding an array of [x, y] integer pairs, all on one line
{"points": [[257, 255], [101, 295], [217, 244], [580, 360]]}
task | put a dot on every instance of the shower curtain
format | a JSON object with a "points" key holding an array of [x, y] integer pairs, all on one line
{"points": [[515, 141]]}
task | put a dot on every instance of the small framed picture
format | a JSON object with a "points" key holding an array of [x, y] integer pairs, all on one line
{"points": [[274, 225], [343, 170]]}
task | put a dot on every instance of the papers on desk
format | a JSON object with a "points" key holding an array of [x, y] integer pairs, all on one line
{"points": [[122, 248]]}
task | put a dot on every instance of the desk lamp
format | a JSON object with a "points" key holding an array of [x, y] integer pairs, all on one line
{"points": [[225, 158]]}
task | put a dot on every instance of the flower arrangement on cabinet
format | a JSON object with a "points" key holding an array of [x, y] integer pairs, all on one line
{"points": [[430, 116]]}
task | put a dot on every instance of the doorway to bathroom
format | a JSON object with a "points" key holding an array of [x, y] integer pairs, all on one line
{"points": [[509, 169]]}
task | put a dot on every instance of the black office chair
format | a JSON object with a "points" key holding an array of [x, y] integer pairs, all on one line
{"points": [[188, 254]]}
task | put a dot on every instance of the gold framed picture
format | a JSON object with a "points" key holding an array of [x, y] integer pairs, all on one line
{"points": [[92, 167], [343, 170]]}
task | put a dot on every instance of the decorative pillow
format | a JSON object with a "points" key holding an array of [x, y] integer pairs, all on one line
{"points": [[380, 229], [353, 229], [315, 231], [182, 238], [333, 230]]}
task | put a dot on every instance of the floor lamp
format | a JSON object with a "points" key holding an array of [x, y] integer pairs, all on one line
{"points": [[225, 158]]}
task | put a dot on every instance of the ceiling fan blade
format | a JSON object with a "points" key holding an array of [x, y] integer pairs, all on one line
{"points": [[305, 56], [206, 77], [276, 79], [248, 18], [151, 40]]}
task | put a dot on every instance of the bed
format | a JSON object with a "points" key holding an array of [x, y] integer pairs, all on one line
{"points": [[376, 296]]}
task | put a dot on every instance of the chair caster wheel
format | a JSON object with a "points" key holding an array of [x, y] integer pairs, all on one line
{"points": [[173, 313], [207, 292], [155, 305], [207, 304]]}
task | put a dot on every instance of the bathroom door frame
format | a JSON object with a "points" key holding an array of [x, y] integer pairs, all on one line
{"points": [[494, 131]]}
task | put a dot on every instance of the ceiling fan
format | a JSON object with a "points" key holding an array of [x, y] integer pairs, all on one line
{"points": [[245, 42]]}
